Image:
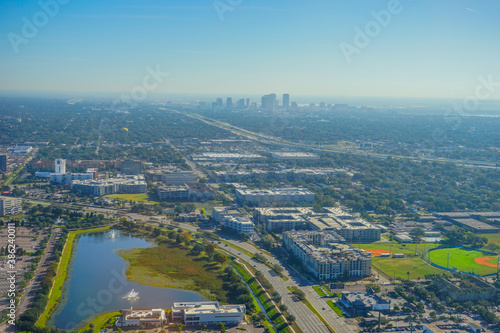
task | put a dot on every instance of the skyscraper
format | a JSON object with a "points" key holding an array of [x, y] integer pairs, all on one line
{"points": [[241, 104], [229, 103], [269, 102], [3, 162], [60, 166], [286, 101]]}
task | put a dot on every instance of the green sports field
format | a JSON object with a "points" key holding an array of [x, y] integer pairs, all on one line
{"points": [[462, 260]]}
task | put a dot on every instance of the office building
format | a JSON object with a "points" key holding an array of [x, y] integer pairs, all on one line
{"points": [[229, 103], [142, 318], [207, 313], [239, 224], [130, 167], [275, 195], [21, 150], [60, 166], [119, 185], [69, 178], [359, 304], [173, 193], [268, 102], [3, 162], [351, 228], [219, 214], [286, 101], [179, 177], [10, 205], [282, 219], [324, 255], [241, 104]]}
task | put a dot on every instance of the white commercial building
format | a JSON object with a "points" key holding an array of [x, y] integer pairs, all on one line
{"points": [[179, 177], [69, 178], [350, 227], [21, 150], [142, 317], [221, 213], [10, 205], [207, 313], [173, 193], [120, 184], [60, 166], [240, 224], [275, 195]]}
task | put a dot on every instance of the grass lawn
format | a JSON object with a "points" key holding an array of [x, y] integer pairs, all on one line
{"points": [[101, 321], [492, 238], [399, 267], [319, 291], [407, 249], [170, 265], [208, 205], [139, 197], [335, 308], [62, 272], [462, 260], [260, 293]]}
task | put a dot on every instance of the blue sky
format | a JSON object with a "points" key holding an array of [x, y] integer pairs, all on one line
{"points": [[430, 48]]}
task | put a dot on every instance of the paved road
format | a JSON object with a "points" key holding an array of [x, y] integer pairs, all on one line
{"points": [[268, 139], [305, 319]]}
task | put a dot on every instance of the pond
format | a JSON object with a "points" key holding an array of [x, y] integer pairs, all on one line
{"points": [[97, 282]]}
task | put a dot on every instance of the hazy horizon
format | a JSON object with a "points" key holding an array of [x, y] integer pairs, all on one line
{"points": [[404, 50]]}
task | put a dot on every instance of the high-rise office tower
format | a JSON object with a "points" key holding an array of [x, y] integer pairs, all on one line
{"points": [[229, 103], [60, 166], [219, 102], [3, 162], [269, 102], [286, 101], [248, 103], [241, 104]]}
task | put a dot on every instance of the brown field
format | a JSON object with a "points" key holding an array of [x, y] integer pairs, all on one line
{"points": [[484, 261], [377, 252]]}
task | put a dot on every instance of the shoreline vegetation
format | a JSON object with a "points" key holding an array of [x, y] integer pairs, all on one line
{"points": [[175, 265], [176, 260], [56, 291]]}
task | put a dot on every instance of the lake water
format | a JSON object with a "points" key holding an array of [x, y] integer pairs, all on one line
{"points": [[97, 282]]}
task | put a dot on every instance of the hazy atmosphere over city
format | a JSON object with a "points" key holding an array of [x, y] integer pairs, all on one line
{"points": [[250, 166]]}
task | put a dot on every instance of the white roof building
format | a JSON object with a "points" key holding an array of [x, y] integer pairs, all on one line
{"points": [[142, 317], [209, 313]]}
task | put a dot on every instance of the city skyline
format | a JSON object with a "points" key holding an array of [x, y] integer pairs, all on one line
{"points": [[373, 48]]}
